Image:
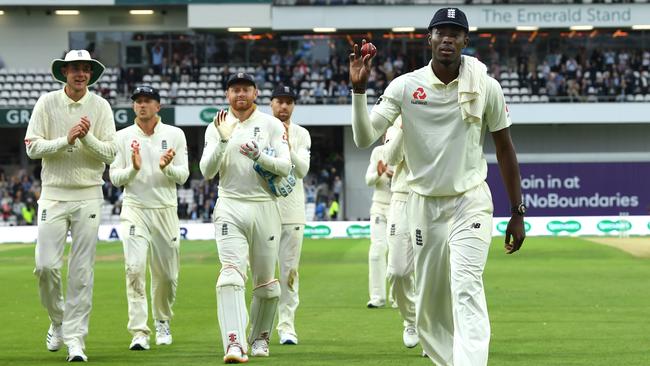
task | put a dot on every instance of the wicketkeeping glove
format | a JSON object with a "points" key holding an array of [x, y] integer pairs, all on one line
{"points": [[279, 186], [250, 150]]}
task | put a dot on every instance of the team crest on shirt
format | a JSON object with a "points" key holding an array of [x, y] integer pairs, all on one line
{"points": [[419, 96]]}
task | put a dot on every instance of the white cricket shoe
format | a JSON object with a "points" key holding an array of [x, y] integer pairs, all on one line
{"points": [[140, 342], [235, 354], [410, 336], [54, 339], [288, 338], [76, 353], [260, 348], [163, 332], [375, 304]]}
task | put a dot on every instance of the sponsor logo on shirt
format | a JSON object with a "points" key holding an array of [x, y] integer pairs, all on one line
{"points": [[419, 96], [163, 145], [418, 237]]}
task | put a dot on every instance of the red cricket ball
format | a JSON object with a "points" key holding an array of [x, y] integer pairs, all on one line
{"points": [[368, 48]]}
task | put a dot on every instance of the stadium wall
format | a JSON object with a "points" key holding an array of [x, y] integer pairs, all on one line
{"points": [[616, 226], [30, 38]]}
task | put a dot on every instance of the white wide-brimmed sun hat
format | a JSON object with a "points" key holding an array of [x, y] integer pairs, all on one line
{"points": [[77, 55]]}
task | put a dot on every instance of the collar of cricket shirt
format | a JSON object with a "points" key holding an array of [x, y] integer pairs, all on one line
{"points": [[68, 101], [432, 79], [255, 111]]}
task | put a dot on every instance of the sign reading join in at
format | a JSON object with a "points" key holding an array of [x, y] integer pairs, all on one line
{"points": [[577, 189]]}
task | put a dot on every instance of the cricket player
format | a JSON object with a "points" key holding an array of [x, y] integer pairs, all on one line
{"points": [[246, 215], [446, 108], [72, 131], [400, 248], [292, 214], [151, 160], [378, 176]]}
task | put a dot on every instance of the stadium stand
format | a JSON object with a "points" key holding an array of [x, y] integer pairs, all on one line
{"points": [[609, 76]]}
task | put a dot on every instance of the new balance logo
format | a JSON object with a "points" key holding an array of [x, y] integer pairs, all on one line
{"points": [[92, 216], [224, 229], [132, 230], [297, 228], [164, 144], [392, 230], [271, 237], [451, 13], [43, 215], [418, 237], [476, 225], [174, 240]]}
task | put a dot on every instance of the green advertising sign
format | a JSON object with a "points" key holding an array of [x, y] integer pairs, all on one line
{"points": [[503, 225], [207, 114], [607, 226], [317, 231], [358, 230], [19, 117], [557, 227]]}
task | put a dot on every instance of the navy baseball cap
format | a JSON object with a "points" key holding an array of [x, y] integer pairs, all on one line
{"points": [[240, 77], [284, 91], [452, 16], [145, 91]]}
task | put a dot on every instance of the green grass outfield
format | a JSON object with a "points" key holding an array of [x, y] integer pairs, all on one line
{"points": [[559, 301]]}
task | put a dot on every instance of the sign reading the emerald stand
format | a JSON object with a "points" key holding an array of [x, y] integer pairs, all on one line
{"points": [[577, 189]]}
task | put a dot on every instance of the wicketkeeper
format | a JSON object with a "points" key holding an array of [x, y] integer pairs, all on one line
{"points": [[246, 215]]}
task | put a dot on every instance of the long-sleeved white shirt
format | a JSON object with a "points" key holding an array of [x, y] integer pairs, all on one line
{"points": [[380, 183], [150, 187], [292, 207], [71, 172], [394, 154], [237, 178], [443, 151]]}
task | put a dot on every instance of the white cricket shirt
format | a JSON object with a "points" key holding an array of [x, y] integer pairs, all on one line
{"points": [[237, 178], [381, 184], [292, 207], [71, 172], [150, 187], [443, 152], [394, 153]]}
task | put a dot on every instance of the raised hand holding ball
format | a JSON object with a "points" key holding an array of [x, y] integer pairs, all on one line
{"points": [[368, 49]]}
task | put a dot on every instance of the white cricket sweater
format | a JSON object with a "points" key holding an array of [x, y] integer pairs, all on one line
{"points": [[71, 172]]}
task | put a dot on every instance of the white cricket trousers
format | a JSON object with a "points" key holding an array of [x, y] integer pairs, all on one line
{"points": [[451, 237], [55, 218], [150, 235], [288, 260], [400, 259], [246, 232], [377, 254]]}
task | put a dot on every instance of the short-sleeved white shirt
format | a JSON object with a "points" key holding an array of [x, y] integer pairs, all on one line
{"points": [[444, 152]]}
